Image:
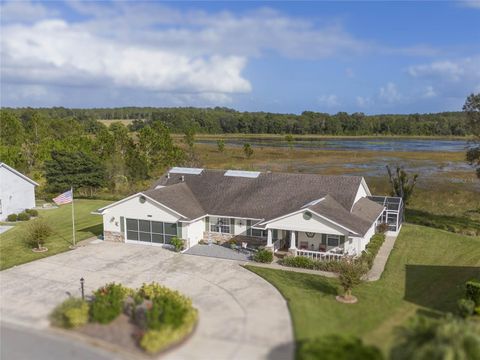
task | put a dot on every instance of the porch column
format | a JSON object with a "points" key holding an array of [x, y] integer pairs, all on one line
{"points": [[269, 240], [293, 244]]}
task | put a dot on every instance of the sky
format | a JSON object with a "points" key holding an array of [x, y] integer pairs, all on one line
{"points": [[286, 57]]}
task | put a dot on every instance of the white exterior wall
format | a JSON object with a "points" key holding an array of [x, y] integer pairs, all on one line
{"points": [[296, 222], [193, 231], [134, 209], [16, 193], [363, 191], [240, 227]]}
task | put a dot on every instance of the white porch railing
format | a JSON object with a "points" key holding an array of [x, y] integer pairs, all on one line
{"points": [[277, 245], [319, 255]]}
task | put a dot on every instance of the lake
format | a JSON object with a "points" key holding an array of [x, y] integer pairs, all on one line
{"points": [[360, 144]]}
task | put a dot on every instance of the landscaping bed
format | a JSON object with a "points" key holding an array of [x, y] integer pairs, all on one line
{"points": [[149, 320]]}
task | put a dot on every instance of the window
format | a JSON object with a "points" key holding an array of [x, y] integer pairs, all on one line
{"points": [[220, 225], [258, 233], [155, 232], [333, 240]]}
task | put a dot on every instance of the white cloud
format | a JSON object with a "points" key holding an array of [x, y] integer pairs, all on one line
{"points": [[328, 100], [363, 101], [475, 4], [54, 52], [24, 11], [429, 92], [450, 70], [390, 93]]}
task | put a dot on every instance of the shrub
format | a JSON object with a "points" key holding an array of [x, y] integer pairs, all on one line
{"points": [[263, 256], [32, 212], [170, 318], [308, 263], [177, 243], [466, 307], [108, 303], [350, 274], [371, 251], [166, 311], [446, 338], [335, 347], [298, 262], [37, 233], [12, 217], [382, 228], [473, 291], [23, 216], [72, 313]]}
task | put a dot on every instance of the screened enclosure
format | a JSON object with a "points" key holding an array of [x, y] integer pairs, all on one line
{"points": [[393, 213], [154, 232]]}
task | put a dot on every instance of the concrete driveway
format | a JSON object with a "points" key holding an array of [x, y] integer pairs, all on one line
{"points": [[241, 315]]}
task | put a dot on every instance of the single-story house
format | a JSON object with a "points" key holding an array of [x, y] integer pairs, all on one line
{"points": [[17, 191], [306, 214]]}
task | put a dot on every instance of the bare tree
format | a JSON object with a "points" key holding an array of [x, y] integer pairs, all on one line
{"points": [[402, 183]]}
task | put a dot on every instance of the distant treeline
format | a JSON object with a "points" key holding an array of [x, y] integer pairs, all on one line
{"points": [[223, 120]]}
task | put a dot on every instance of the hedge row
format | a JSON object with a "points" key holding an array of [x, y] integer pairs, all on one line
{"points": [[371, 251], [23, 216]]}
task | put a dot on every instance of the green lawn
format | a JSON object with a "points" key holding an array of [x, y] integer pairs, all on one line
{"points": [[13, 251], [424, 274]]}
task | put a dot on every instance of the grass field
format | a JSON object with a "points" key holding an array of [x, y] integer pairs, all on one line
{"points": [[13, 251], [424, 274]]}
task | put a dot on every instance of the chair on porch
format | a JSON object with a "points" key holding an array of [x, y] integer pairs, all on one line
{"points": [[303, 245]]}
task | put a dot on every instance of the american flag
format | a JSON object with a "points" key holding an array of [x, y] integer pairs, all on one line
{"points": [[65, 198]]}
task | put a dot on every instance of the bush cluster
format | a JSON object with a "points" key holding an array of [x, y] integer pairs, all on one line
{"points": [[263, 256], [72, 313], [371, 251], [382, 228], [308, 263], [470, 305], [164, 316], [32, 212], [169, 319], [107, 303], [23, 216]]}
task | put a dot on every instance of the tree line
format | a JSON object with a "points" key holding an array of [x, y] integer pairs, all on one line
{"points": [[81, 152], [221, 120]]}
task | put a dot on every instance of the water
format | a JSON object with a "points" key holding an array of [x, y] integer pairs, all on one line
{"points": [[360, 144]]}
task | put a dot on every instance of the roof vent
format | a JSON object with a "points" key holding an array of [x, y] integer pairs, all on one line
{"points": [[184, 170], [241, 173]]}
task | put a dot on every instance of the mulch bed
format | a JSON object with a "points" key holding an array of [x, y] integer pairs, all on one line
{"points": [[121, 332]]}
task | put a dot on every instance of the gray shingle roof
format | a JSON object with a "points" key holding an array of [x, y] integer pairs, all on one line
{"points": [[367, 209], [267, 197], [178, 197]]}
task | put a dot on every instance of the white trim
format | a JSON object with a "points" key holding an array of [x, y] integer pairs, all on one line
{"points": [[314, 202], [18, 173], [100, 211], [313, 212], [224, 216]]}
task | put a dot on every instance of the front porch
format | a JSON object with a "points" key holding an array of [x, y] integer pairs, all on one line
{"points": [[296, 243]]}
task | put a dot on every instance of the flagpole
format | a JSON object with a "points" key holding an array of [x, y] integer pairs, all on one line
{"points": [[73, 218]]}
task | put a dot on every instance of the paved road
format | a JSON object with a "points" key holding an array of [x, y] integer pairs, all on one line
{"points": [[18, 343], [241, 316]]}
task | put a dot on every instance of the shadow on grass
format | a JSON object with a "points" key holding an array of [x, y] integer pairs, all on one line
{"points": [[456, 224], [437, 288], [95, 229]]}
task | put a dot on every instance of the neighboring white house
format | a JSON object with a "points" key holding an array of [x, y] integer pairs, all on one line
{"points": [[307, 214], [17, 192]]}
